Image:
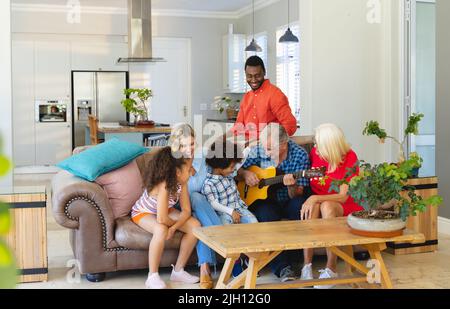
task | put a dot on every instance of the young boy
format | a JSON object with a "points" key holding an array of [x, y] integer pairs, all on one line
{"points": [[220, 188]]}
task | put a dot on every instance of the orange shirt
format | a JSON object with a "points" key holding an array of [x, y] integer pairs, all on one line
{"points": [[259, 108]]}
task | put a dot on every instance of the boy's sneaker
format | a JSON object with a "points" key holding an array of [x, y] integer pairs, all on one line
{"points": [[307, 273], [183, 276], [237, 268], [154, 281], [286, 274], [326, 274]]}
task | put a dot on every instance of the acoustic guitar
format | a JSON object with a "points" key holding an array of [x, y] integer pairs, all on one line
{"points": [[269, 177]]}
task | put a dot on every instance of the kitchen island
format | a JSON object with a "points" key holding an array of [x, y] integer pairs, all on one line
{"points": [[130, 134]]}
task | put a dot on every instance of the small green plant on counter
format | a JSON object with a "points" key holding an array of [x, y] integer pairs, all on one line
{"points": [[379, 187], [7, 263], [373, 128], [224, 103], [137, 102]]}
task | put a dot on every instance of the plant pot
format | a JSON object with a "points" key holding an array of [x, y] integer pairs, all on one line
{"points": [[145, 124], [415, 172], [374, 227], [232, 114]]}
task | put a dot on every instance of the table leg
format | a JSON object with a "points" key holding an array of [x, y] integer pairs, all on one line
{"points": [[226, 272], [348, 267], [375, 253], [252, 273]]}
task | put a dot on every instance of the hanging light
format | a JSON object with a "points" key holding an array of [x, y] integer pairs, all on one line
{"points": [[288, 36], [253, 46]]}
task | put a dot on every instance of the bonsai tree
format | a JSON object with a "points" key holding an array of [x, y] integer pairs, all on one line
{"points": [[7, 264], [224, 103], [373, 128], [136, 102], [383, 192]]}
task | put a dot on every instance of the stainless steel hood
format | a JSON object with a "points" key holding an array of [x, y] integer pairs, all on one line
{"points": [[140, 32]]}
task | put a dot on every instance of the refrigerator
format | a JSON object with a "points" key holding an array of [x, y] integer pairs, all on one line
{"points": [[99, 94]]}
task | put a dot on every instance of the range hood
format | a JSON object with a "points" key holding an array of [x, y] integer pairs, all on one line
{"points": [[140, 33]]}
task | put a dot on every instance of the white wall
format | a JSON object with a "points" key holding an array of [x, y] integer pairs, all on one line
{"points": [[5, 84], [351, 70]]}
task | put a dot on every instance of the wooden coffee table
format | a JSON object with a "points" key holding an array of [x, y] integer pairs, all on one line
{"points": [[262, 242]]}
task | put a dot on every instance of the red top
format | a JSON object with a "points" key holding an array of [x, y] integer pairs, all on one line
{"points": [[266, 105], [349, 161]]}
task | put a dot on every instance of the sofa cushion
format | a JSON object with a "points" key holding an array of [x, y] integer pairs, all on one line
{"points": [[123, 187], [131, 236], [101, 159]]}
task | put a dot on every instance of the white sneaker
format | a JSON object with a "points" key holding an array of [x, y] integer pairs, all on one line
{"points": [[154, 281], [326, 274], [183, 276], [307, 273]]}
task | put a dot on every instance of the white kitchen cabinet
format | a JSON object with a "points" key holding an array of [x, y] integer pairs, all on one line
{"points": [[23, 108], [233, 63], [87, 56], [52, 70], [53, 142]]}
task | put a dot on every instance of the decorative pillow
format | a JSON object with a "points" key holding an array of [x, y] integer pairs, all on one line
{"points": [[123, 187], [102, 159]]}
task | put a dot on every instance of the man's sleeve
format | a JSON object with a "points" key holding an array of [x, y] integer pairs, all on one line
{"points": [[282, 111], [305, 164], [239, 126], [253, 158]]}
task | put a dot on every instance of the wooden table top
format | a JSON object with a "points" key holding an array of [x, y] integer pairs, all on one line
{"points": [[289, 235], [109, 128]]}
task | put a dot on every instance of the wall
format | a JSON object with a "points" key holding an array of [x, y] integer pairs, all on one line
{"points": [[5, 85], [443, 99]]}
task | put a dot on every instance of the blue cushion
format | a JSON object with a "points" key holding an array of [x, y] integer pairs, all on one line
{"points": [[101, 159]]}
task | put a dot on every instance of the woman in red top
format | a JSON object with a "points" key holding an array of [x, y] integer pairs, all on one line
{"points": [[333, 152]]}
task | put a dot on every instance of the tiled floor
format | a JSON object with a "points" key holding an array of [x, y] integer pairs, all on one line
{"points": [[428, 270]]}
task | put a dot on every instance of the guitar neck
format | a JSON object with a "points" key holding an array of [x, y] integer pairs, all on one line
{"points": [[279, 179]]}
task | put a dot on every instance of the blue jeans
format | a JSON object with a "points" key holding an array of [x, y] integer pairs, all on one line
{"points": [[271, 211], [203, 211], [246, 216]]}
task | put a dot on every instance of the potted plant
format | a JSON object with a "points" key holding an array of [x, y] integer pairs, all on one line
{"points": [[7, 264], [373, 128], [137, 104], [387, 200], [229, 105]]}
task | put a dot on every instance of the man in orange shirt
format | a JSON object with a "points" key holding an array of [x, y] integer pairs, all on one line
{"points": [[264, 104]]}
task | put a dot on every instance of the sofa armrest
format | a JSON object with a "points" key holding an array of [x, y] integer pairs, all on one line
{"points": [[71, 194]]}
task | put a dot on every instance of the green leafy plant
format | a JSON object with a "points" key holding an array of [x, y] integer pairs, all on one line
{"points": [[7, 263], [137, 101], [224, 103], [373, 128], [383, 187]]}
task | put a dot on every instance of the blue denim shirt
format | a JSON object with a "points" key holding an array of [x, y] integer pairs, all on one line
{"points": [[196, 181]]}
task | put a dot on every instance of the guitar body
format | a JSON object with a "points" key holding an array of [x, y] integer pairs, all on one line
{"points": [[251, 194]]}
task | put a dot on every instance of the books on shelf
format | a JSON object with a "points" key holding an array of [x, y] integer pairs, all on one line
{"points": [[156, 140]]}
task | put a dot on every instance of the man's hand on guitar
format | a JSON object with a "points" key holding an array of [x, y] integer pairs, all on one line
{"points": [[251, 179], [236, 217], [289, 180]]}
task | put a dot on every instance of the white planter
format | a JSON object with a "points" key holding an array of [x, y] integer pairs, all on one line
{"points": [[376, 227]]}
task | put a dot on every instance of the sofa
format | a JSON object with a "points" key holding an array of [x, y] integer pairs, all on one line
{"points": [[100, 242]]}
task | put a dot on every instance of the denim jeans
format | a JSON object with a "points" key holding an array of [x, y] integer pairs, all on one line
{"points": [[271, 211], [203, 211], [246, 216]]}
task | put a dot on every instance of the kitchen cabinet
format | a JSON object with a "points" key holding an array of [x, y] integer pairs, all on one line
{"points": [[23, 108], [233, 63], [53, 142], [52, 70], [87, 56]]}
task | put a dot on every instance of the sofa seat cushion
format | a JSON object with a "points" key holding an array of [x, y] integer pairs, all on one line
{"points": [[131, 236]]}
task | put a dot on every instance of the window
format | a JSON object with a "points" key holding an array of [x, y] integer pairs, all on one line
{"points": [[288, 68]]}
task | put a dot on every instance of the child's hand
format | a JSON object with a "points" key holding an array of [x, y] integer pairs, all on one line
{"points": [[170, 232], [236, 217]]}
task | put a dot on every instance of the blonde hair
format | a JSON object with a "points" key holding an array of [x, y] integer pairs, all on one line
{"points": [[331, 145], [178, 132]]}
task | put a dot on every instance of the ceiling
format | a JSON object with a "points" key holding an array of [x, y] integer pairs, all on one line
{"points": [[182, 5]]}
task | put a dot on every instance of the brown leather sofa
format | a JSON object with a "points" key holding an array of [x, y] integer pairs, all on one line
{"points": [[99, 242]]}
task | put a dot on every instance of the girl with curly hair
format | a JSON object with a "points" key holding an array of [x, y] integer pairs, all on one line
{"points": [[166, 186]]}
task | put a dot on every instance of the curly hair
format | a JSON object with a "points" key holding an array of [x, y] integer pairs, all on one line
{"points": [[223, 153], [162, 167]]}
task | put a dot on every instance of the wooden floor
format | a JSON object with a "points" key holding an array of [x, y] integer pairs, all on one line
{"points": [[427, 270]]}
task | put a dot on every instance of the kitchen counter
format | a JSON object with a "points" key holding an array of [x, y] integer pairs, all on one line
{"points": [[129, 129]]}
